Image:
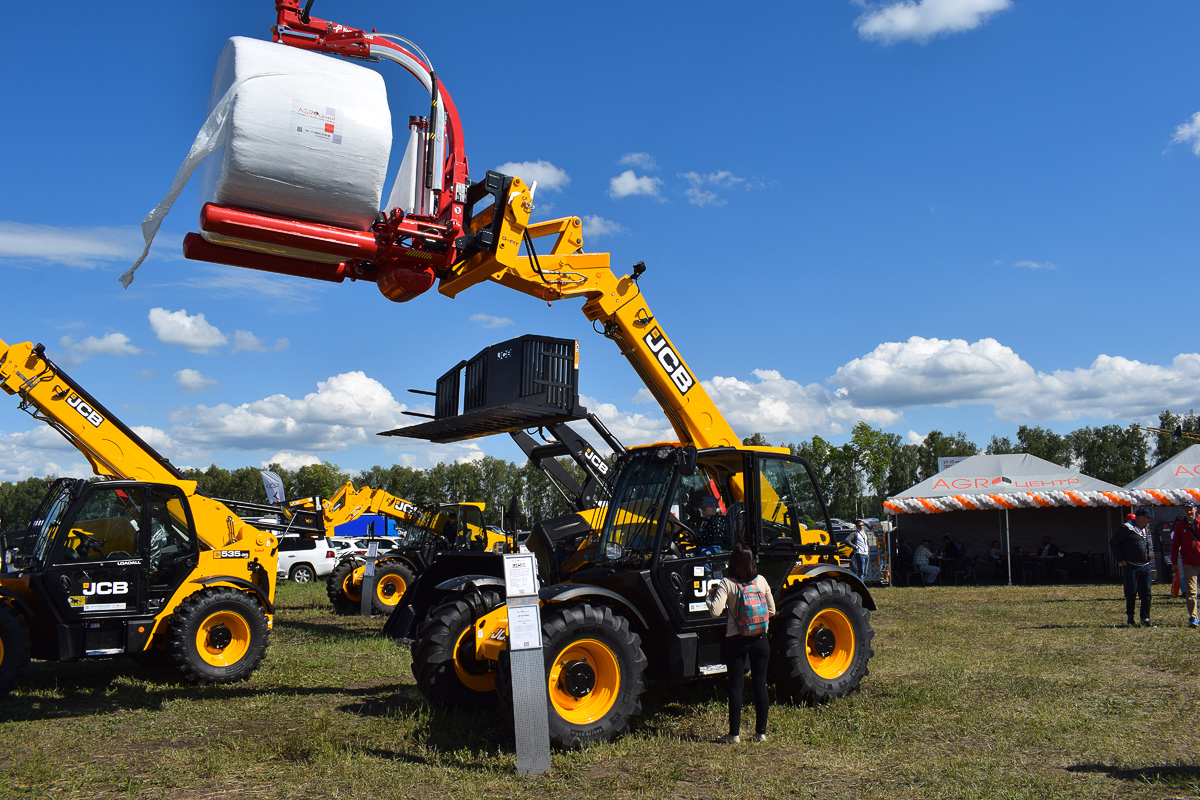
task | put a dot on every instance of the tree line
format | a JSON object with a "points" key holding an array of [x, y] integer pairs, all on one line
{"points": [[489, 480], [856, 477]]}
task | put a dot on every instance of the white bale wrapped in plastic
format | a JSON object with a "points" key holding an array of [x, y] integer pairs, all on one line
{"points": [[308, 135]]}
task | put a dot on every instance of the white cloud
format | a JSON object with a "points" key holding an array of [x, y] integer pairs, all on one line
{"points": [[347, 409], [110, 344], [1047, 265], [247, 341], [291, 461], [549, 177], [938, 372], [1189, 132], [698, 195], [489, 322], [627, 184], [74, 247], [703, 197], [193, 382], [921, 20], [595, 226], [629, 428], [178, 328], [640, 160], [912, 437]]}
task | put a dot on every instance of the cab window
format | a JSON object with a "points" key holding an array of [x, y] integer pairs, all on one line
{"points": [[172, 537], [105, 527], [787, 502]]}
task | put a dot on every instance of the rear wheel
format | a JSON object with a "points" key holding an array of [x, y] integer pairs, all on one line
{"points": [[444, 662], [14, 647], [302, 573], [594, 674], [218, 635], [344, 586], [821, 644]]}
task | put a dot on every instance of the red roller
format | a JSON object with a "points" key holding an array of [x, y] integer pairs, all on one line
{"points": [[197, 248], [269, 229]]}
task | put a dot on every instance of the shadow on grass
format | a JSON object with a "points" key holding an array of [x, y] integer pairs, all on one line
{"points": [[332, 630], [442, 730], [97, 688], [1177, 776]]}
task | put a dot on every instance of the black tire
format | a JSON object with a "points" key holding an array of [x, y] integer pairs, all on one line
{"points": [[302, 573], [443, 661], [218, 635], [343, 588], [595, 671], [392, 579], [14, 647], [820, 644]]}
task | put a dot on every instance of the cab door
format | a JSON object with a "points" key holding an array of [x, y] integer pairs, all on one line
{"points": [[94, 581], [788, 505]]}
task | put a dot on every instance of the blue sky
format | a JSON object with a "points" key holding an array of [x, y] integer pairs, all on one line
{"points": [[951, 214]]}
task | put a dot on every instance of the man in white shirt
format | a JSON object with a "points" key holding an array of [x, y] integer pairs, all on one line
{"points": [[921, 557]]}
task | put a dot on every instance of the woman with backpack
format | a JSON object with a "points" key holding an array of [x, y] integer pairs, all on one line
{"points": [[747, 597]]}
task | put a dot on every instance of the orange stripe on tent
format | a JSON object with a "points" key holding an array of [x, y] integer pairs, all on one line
{"points": [[932, 508], [1160, 497], [1041, 501], [966, 502], [1118, 500], [1076, 498], [1001, 501]]}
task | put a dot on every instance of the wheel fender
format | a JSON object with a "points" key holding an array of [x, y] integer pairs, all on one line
{"points": [[562, 592], [240, 583], [404, 562], [463, 581], [21, 606], [830, 572]]}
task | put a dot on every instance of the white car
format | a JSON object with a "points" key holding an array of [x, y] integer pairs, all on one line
{"points": [[303, 559]]}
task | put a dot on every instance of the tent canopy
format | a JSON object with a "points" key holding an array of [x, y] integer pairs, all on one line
{"points": [[1012, 480], [1174, 480]]}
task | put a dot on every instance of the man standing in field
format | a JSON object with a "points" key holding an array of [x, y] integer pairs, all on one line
{"points": [[1186, 549], [862, 549], [1135, 552]]}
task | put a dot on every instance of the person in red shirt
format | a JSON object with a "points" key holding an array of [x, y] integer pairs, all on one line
{"points": [[1185, 551]]}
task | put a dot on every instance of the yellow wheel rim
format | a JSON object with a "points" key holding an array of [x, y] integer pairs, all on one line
{"points": [[830, 643], [389, 589], [584, 681], [352, 583], [1, 651], [223, 638], [474, 674]]}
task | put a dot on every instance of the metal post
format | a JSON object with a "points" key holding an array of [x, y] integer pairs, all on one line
{"points": [[530, 719], [367, 605]]}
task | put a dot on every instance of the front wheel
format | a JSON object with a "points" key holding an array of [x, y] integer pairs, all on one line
{"points": [[218, 635], [443, 654], [392, 579], [14, 647], [594, 674], [821, 644]]}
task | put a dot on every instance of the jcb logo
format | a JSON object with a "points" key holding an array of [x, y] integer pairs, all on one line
{"points": [[106, 587], [670, 360], [86, 411], [702, 587], [404, 507], [596, 461]]}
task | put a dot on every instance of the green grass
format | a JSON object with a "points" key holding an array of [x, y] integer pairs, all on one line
{"points": [[973, 692]]}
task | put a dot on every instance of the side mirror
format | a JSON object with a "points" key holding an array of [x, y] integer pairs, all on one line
{"points": [[687, 460], [510, 516]]}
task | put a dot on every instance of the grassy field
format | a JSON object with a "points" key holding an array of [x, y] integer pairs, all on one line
{"points": [[974, 692]]}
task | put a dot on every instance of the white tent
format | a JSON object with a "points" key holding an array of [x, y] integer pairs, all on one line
{"points": [[1171, 482], [1047, 499]]}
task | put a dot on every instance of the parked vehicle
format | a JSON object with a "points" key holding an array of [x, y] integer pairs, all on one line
{"points": [[303, 559]]}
